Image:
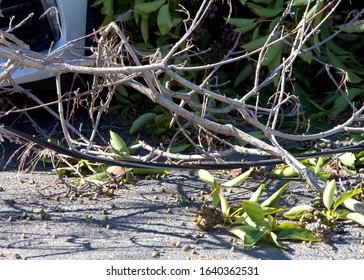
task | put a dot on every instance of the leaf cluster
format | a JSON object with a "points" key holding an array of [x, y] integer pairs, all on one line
{"points": [[323, 166], [155, 24], [320, 101], [102, 174], [158, 16], [324, 222], [254, 220]]}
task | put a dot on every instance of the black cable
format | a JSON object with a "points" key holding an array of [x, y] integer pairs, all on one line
{"points": [[156, 165]]}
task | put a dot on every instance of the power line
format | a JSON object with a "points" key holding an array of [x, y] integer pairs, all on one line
{"points": [[157, 165]]}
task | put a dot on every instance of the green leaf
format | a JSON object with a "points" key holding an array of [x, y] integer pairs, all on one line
{"points": [[319, 164], [97, 2], [339, 51], [107, 9], [206, 177], [273, 59], [162, 119], [263, 12], [348, 159], [129, 178], [263, 1], [348, 37], [64, 170], [286, 226], [274, 198], [300, 2], [353, 27], [355, 217], [298, 234], [272, 210], [360, 154], [278, 4], [338, 62], [113, 109], [239, 22], [329, 193], [98, 177], [344, 196], [256, 195], [248, 234], [118, 144], [180, 148], [273, 54], [341, 103], [216, 195], [94, 168], [243, 75], [296, 212], [121, 90], [255, 212], [224, 205], [141, 121], [359, 161], [274, 239], [285, 171], [252, 236], [257, 43], [243, 25], [164, 20], [312, 12], [237, 181], [238, 231], [144, 27], [148, 7], [316, 104], [241, 220]]}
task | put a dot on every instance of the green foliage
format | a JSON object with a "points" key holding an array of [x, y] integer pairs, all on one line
{"points": [[99, 174], [126, 101], [118, 144], [252, 221], [349, 162], [323, 222], [341, 52], [314, 164], [157, 122], [354, 27], [141, 121], [157, 23], [157, 16]]}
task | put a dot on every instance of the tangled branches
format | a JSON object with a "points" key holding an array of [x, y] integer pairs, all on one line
{"points": [[162, 76]]}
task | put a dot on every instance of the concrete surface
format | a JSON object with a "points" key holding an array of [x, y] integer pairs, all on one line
{"points": [[150, 219]]}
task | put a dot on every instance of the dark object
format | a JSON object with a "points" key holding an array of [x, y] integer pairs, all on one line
{"points": [[34, 29], [135, 164]]}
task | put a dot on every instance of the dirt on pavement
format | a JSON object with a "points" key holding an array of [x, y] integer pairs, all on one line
{"points": [[150, 219]]}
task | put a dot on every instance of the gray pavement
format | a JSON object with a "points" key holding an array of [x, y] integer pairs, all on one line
{"points": [[150, 219]]}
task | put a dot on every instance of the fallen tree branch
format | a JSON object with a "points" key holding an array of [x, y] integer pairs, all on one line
{"points": [[116, 61]]}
